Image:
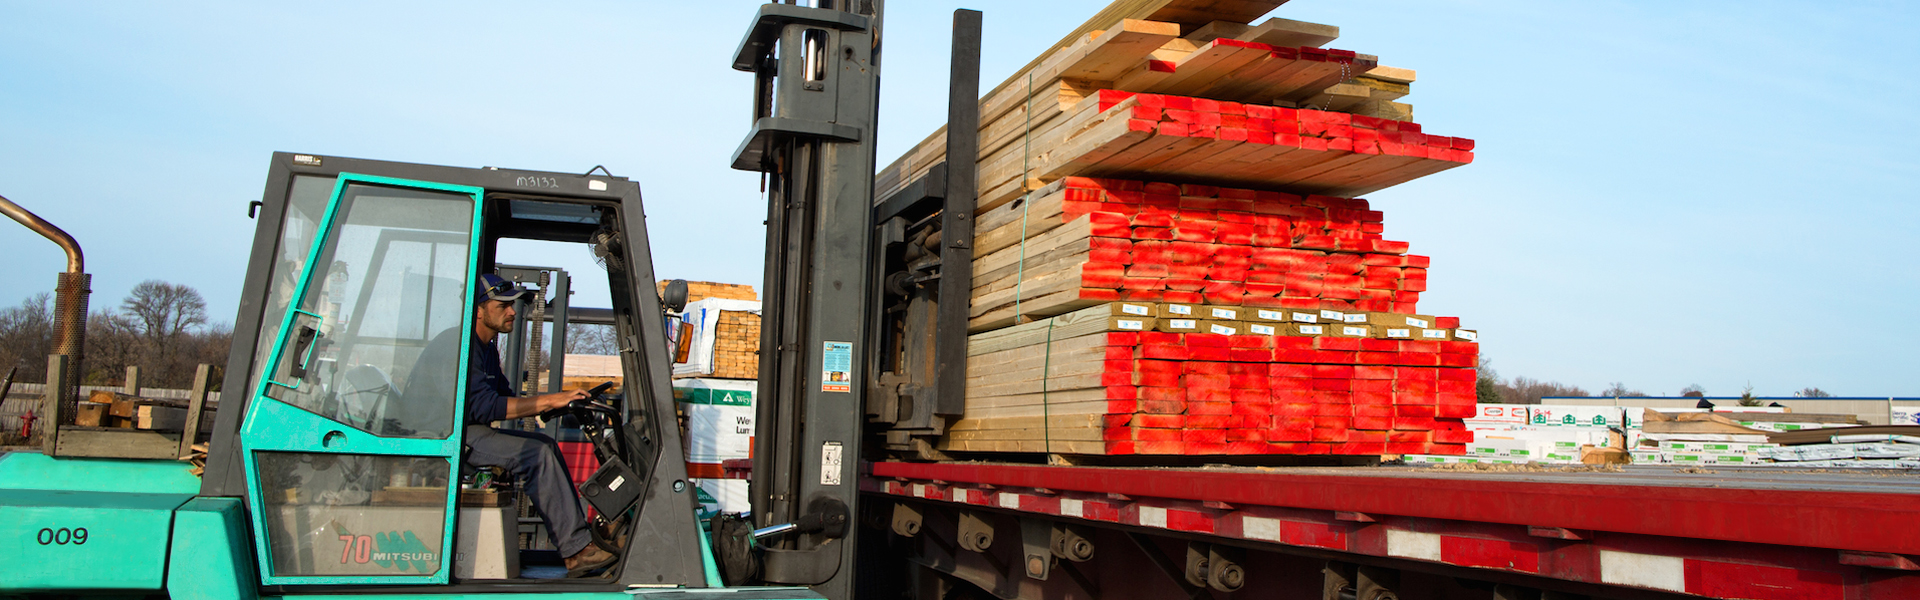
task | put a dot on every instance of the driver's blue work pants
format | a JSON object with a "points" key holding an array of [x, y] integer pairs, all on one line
{"points": [[535, 460]]}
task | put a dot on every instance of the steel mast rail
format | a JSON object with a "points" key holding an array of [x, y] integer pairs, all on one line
{"points": [[1738, 533]]}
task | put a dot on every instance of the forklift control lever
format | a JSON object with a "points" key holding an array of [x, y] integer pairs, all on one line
{"points": [[828, 517]]}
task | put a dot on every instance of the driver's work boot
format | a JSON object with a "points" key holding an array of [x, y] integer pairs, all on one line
{"points": [[588, 561]]}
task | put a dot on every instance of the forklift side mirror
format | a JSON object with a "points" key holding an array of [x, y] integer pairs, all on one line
{"points": [[674, 298]]}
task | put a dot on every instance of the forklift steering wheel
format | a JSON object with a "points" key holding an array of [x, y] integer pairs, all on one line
{"points": [[584, 409]]}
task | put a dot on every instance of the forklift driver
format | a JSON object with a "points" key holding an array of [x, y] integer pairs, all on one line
{"points": [[528, 456]]}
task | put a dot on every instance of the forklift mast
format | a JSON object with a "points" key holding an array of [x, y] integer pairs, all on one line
{"points": [[816, 87], [860, 358]]}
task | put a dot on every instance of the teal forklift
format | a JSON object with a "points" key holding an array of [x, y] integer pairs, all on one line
{"points": [[328, 472]]}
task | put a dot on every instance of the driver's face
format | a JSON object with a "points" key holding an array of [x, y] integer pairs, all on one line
{"points": [[495, 315]]}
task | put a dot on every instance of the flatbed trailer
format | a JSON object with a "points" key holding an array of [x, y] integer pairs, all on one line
{"points": [[1426, 532]]}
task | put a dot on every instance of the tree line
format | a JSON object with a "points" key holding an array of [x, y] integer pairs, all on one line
{"points": [[161, 327]]}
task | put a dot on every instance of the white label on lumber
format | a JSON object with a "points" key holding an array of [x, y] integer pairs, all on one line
{"points": [[919, 490], [1312, 329], [1272, 315], [1009, 501], [1306, 317], [1421, 323], [1225, 313], [1222, 329], [1261, 329], [1466, 334], [1135, 309], [1356, 317], [1354, 331], [1072, 508], [1180, 309], [1399, 333], [1130, 324], [1438, 334], [1333, 315], [1153, 516], [1413, 544], [1260, 528], [1643, 570], [830, 461], [1183, 323]]}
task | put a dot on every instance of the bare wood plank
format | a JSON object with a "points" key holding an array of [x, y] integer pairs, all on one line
{"points": [[196, 405]]}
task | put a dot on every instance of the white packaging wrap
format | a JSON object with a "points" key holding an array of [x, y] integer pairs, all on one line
{"points": [[719, 418], [704, 317]]}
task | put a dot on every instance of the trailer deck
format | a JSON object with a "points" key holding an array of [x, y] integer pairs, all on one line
{"points": [[1724, 532]]}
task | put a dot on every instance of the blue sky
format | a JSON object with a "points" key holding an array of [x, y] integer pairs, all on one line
{"points": [[1711, 192]]}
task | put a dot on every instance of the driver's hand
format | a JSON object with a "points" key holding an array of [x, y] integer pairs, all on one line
{"points": [[559, 399]]}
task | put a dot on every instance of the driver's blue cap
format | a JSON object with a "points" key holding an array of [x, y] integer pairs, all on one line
{"points": [[495, 287]]}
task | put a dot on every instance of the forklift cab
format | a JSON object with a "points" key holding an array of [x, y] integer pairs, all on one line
{"points": [[346, 446]]}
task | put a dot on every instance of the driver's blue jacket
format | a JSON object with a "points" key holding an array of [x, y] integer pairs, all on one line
{"points": [[487, 389]]}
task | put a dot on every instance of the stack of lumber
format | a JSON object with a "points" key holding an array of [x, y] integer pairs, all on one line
{"points": [[1085, 241], [1031, 128], [123, 411], [1199, 140], [587, 371], [701, 290], [1110, 380], [1171, 255], [736, 346], [718, 338]]}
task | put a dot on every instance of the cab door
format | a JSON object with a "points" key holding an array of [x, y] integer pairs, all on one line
{"points": [[352, 439]]}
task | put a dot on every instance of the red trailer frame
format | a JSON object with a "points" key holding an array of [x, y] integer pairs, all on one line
{"points": [[1731, 533]]}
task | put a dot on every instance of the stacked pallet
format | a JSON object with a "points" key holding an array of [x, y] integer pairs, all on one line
{"points": [[1112, 380]]}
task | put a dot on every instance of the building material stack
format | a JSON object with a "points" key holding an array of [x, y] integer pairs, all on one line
{"points": [[1170, 255], [715, 377], [718, 333]]}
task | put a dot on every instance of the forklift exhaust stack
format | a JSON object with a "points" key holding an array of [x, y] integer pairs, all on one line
{"points": [[69, 299]]}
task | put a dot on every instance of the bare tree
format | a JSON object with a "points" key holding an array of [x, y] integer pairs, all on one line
{"points": [[591, 339], [1486, 388], [162, 328], [113, 344], [1523, 390], [1620, 390], [1693, 390], [26, 337], [164, 310], [1812, 392]]}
